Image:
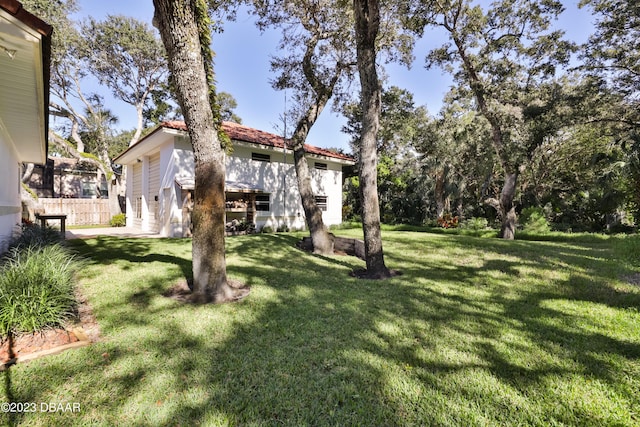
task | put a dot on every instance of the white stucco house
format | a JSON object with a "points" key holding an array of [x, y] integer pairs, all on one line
{"points": [[261, 186], [25, 42]]}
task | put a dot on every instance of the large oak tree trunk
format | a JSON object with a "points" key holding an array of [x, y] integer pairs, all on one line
{"points": [[367, 23], [507, 209], [320, 236], [113, 197], [440, 192], [177, 22], [321, 239]]}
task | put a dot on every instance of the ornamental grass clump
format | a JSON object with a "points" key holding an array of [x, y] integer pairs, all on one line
{"points": [[33, 235], [36, 288]]}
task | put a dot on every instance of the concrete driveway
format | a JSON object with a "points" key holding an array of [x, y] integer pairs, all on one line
{"points": [[88, 233]]}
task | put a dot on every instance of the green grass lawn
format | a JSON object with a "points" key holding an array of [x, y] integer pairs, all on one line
{"points": [[476, 331]]}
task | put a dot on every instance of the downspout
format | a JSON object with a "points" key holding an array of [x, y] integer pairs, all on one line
{"points": [[284, 174]]}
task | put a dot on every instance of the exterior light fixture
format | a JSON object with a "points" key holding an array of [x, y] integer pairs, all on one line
{"points": [[11, 53]]}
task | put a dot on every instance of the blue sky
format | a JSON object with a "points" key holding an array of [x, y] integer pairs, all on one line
{"points": [[242, 69]]}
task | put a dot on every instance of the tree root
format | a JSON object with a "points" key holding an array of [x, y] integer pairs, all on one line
{"points": [[234, 291], [363, 273]]}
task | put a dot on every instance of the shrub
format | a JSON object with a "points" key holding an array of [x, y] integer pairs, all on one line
{"points": [[118, 220], [283, 228], [36, 288], [534, 221], [475, 223], [621, 228], [448, 221], [266, 229], [249, 227]]}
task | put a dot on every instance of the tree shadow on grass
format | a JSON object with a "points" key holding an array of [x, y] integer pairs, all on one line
{"points": [[312, 346], [130, 254]]}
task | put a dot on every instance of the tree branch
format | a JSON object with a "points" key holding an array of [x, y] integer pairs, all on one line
{"points": [[64, 144]]}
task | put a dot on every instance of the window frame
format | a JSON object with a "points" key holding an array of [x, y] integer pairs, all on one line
{"points": [[260, 157], [322, 202], [89, 189], [265, 202]]}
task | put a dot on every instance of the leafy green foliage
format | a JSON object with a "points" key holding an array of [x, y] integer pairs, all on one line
{"points": [[534, 221], [506, 58], [126, 56], [475, 224], [118, 220], [612, 59], [58, 14], [36, 288], [579, 176], [205, 27], [613, 52], [457, 160], [227, 104]]}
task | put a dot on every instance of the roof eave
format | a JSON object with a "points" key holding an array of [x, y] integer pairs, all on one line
{"points": [[21, 21], [173, 128], [140, 149]]}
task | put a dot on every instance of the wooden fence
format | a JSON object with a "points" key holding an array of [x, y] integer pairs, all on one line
{"points": [[79, 211]]}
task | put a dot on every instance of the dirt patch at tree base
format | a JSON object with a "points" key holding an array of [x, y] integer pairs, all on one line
{"points": [[344, 246], [181, 291], [363, 273]]}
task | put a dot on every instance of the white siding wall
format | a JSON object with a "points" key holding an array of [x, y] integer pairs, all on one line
{"points": [[175, 159], [10, 204], [136, 195], [276, 178], [154, 192], [279, 179], [183, 166], [328, 183], [168, 217]]}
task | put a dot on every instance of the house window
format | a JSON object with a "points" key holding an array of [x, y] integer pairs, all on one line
{"points": [[89, 189], [321, 202], [320, 166], [259, 157], [262, 203]]}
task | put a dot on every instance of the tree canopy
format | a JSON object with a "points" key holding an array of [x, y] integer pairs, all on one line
{"points": [[521, 103]]}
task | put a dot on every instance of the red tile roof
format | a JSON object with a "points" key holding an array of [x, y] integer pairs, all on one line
{"points": [[244, 133]]}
